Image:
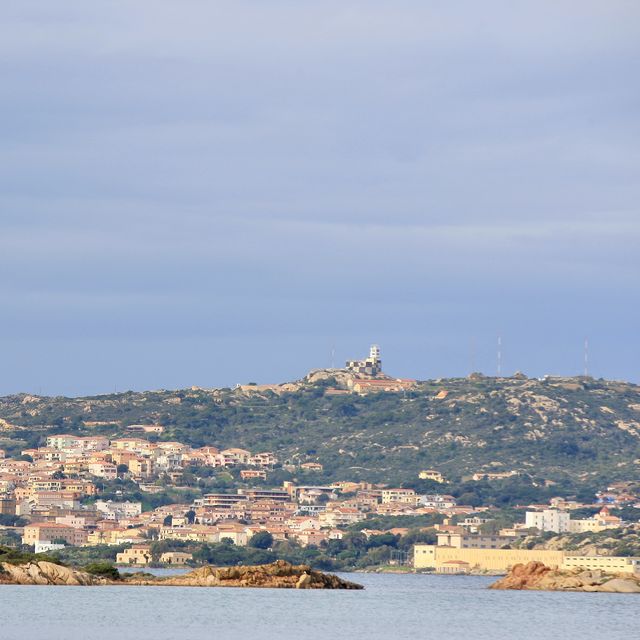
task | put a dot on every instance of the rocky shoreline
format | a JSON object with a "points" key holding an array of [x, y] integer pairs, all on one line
{"points": [[278, 575], [538, 577]]}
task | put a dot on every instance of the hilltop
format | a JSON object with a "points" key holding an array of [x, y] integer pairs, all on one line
{"points": [[555, 432]]}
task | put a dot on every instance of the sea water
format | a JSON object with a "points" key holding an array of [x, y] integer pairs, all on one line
{"points": [[391, 606]]}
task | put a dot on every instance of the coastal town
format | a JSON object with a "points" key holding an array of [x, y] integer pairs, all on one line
{"points": [[140, 497], [319, 320], [51, 499]]}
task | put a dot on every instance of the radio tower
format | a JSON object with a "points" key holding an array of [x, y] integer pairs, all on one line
{"points": [[499, 356], [586, 357]]}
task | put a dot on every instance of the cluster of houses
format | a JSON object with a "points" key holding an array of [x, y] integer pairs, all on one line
{"points": [[464, 547], [308, 515], [55, 488], [99, 457], [62, 473]]}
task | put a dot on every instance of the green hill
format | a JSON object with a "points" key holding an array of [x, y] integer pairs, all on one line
{"points": [[569, 431]]}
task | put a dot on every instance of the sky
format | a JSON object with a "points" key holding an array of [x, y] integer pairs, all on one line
{"points": [[210, 193]]}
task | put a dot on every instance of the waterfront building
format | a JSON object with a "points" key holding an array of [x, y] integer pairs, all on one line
{"points": [[138, 555], [176, 558], [607, 564], [473, 541], [427, 556]]}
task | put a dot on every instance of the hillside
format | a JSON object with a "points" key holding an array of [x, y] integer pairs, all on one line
{"points": [[612, 542], [572, 431]]}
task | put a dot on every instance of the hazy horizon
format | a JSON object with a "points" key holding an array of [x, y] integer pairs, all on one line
{"points": [[215, 193]]}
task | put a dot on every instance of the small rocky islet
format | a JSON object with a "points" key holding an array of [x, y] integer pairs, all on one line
{"points": [[536, 576], [277, 575]]}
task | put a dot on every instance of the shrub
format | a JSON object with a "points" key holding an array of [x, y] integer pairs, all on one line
{"points": [[103, 569]]}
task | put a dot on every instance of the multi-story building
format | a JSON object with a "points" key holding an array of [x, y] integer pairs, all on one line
{"points": [[118, 510], [265, 494], [135, 445], [253, 474], [599, 522], [220, 500], [404, 496], [7, 505], [266, 460], [430, 474], [106, 470], [141, 467], [428, 556], [62, 441], [548, 520], [607, 564], [136, 555], [438, 501], [233, 456], [340, 517], [473, 541], [52, 532]]}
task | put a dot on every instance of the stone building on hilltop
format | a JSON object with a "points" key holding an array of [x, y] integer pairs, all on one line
{"points": [[371, 366]]}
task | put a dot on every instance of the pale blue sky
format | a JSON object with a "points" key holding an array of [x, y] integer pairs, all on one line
{"points": [[206, 193]]}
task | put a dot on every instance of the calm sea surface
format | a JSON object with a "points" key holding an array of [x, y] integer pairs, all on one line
{"points": [[391, 606]]}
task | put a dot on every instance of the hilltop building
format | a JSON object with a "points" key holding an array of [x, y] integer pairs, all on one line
{"points": [[371, 366], [430, 474]]}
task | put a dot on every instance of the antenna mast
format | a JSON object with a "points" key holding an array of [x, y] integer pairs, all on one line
{"points": [[499, 356], [586, 357]]}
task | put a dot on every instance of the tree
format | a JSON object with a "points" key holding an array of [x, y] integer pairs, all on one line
{"points": [[151, 534], [168, 521], [59, 541], [103, 569], [261, 540], [383, 539]]}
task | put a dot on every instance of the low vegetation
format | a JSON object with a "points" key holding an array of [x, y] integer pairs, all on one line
{"points": [[567, 433]]}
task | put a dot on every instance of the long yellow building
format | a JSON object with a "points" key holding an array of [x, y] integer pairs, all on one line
{"points": [[455, 560], [444, 559]]}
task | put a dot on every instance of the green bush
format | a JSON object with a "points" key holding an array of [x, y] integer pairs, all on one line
{"points": [[103, 569]]}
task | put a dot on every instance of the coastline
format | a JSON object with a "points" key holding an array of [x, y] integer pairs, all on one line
{"points": [[279, 574]]}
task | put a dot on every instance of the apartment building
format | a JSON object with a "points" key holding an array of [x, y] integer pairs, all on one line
{"points": [[548, 520], [51, 532], [404, 496], [473, 541]]}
